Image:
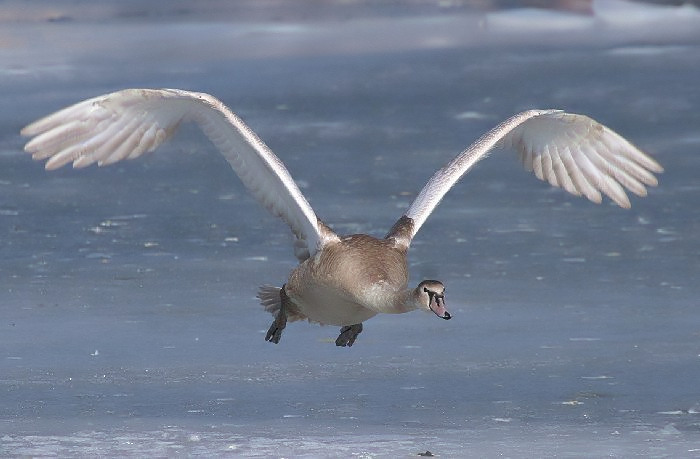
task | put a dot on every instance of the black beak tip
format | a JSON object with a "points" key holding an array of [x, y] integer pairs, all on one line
{"points": [[447, 316]]}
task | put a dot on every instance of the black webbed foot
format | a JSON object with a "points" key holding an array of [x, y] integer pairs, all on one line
{"points": [[275, 331], [348, 335]]}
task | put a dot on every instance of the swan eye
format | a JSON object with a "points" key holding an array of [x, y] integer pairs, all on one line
{"points": [[433, 296]]}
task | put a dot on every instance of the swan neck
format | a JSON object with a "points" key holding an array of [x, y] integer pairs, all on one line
{"points": [[405, 302]]}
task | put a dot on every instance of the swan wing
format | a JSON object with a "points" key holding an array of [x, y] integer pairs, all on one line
{"points": [[129, 123], [570, 151]]}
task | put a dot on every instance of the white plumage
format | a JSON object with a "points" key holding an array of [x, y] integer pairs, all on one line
{"points": [[569, 151], [129, 123]]}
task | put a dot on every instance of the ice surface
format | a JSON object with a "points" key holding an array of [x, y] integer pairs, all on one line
{"points": [[129, 323]]}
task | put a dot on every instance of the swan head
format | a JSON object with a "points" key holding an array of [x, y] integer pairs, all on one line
{"points": [[431, 297]]}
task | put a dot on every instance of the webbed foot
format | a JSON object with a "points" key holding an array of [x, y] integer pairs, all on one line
{"points": [[274, 333], [348, 335]]}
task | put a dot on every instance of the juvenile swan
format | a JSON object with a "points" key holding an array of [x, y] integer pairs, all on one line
{"points": [[341, 280]]}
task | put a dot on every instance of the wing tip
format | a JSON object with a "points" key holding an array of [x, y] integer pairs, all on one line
{"points": [[28, 130], [654, 166], [55, 162], [50, 166]]}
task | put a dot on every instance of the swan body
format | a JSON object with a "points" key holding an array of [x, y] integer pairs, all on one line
{"points": [[341, 280]]}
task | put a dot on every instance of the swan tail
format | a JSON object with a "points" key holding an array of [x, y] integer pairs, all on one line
{"points": [[271, 301]]}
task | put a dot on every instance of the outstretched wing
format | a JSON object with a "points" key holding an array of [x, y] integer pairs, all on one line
{"points": [[129, 123], [570, 151]]}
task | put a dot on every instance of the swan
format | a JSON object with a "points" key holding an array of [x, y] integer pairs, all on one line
{"points": [[340, 280]]}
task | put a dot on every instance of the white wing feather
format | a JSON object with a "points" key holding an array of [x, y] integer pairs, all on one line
{"points": [[570, 151], [129, 123]]}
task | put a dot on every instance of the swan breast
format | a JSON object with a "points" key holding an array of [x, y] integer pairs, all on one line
{"points": [[349, 280]]}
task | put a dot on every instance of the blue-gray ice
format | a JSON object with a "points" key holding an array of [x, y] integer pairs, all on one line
{"points": [[128, 319]]}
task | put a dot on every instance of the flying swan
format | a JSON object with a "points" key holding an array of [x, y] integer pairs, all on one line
{"points": [[340, 280]]}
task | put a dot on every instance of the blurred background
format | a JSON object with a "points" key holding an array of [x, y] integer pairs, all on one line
{"points": [[128, 319]]}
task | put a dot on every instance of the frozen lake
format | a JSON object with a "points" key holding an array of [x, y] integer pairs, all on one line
{"points": [[129, 323]]}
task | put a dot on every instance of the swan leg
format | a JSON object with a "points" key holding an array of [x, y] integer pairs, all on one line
{"points": [[275, 332], [348, 335]]}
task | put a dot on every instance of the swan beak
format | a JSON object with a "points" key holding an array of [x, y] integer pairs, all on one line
{"points": [[437, 305]]}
